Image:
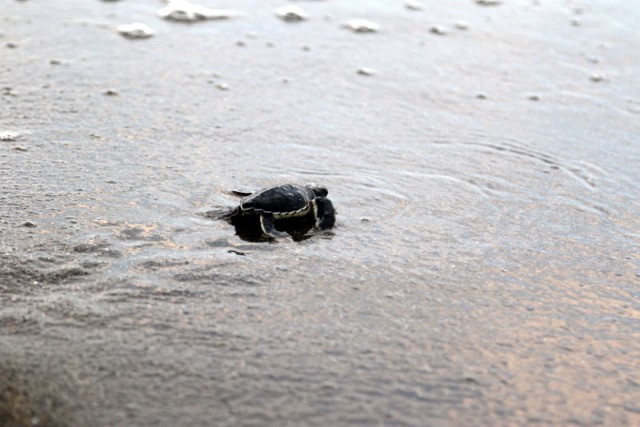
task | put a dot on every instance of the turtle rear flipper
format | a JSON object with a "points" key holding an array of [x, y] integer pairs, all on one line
{"points": [[222, 213], [325, 213], [267, 223], [229, 214]]}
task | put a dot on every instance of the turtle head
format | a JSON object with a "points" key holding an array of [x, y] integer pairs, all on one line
{"points": [[325, 213], [319, 191]]}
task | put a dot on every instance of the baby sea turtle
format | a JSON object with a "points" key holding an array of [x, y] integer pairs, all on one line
{"points": [[283, 206]]}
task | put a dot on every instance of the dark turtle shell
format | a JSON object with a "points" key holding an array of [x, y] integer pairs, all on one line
{"points": [[286, 200]]}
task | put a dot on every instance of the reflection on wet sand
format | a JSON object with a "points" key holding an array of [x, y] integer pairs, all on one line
{"points": [[483, 268]]}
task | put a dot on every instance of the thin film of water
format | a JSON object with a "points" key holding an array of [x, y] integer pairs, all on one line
{"points": [[484, 264]]}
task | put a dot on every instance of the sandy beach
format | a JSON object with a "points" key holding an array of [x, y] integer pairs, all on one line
{"points": [[483, 160]]}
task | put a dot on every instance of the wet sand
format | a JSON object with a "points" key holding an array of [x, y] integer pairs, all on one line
{"points": [[483, 160]]}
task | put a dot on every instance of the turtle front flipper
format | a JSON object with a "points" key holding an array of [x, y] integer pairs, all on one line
{"points": [[324, 212], [267, 223]]}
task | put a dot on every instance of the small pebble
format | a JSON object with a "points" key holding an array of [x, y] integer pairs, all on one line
{"points": [[110, 92], [576, 22], [362, 26], [269, 44], [9, 136], [291, 13], [137, 30], [426, 368], [461, 25], [597, 77], [241, 43], [222, 86], [438, 30], [364, 71], [471, 380], [185, 11], [306, 48], [534, 98], [413, 5], [28, 224], [481, 96], [12, 45], [55, 62], [488, 2]]}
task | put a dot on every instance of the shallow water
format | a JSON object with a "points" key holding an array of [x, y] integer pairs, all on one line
{"points": [[484, 268]]}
